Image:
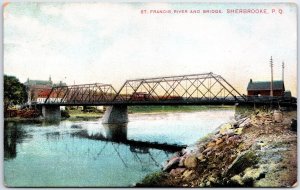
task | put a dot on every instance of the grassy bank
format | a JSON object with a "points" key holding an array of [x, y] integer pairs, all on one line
{"points": [[149, 109], [80, 114]]}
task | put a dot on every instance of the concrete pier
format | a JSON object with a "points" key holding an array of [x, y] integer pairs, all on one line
{"points": [[116, 114], [51, 112], [116, 132]]}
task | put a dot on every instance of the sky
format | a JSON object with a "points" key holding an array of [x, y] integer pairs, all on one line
{"points": [[80, 43]]}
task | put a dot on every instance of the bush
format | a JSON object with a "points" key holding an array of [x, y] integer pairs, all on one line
{"points": [[152, 179], [64, 114]]}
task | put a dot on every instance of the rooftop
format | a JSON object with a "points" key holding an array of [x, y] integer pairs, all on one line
{"points": [[265, 85], [37, 82], [43, 83]]}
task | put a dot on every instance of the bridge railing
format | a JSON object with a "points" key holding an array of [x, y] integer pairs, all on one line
{"points": [[80, 94], [191, 88]]}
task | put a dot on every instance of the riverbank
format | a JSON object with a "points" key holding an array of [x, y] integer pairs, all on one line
{"points": [[254, 151], [78, 114], [167, 109]]}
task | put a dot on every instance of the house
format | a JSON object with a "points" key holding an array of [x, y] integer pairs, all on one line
{"points": [[263, 88], [38, 90]]}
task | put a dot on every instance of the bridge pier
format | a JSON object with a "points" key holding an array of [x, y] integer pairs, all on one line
{"points": [[116, 114], [116, 132], [51, 112]]}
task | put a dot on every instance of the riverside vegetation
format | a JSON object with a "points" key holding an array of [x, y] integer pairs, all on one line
{"points": [[255, 150]]}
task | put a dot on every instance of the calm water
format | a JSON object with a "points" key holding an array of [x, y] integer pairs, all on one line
{"points": [[82, 153]]}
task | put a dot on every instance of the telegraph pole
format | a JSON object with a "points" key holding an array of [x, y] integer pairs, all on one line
{"points": [[271, 64], [282, 71]]}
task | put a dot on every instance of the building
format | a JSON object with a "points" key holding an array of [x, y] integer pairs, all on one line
{"points": [[38, 90], [263, 88]]}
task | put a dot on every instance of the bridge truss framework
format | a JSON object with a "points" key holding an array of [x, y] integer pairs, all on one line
{"points": [[196, 89]]}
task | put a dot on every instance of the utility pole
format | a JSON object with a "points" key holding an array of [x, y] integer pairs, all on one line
{"points": [[271, 64], [282, 71]]}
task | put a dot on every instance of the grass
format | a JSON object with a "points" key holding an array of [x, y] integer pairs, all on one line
{"points": [[152, 180], [149, 109], [78, 113]]}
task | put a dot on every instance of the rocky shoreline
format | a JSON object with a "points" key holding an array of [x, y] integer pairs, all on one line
{"points": [[258, 150]]}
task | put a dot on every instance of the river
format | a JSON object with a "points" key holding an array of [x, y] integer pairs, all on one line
{"points": [[87, 153]]}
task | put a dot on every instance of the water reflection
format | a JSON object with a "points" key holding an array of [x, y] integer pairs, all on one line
{"points": [[115, 132], [115, 136], [13, 134], [88, 154], [46, 123], [118, 133], [53, 136], [108, 132]]}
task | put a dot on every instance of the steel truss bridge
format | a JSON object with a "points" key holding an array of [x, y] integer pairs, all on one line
{"points": [[196, 89]]}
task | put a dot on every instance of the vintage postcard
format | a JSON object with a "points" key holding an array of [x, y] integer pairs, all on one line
{"points": [[150, 94]]}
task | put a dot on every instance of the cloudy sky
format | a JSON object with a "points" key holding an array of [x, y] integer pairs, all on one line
{"points": [[109, 43]]}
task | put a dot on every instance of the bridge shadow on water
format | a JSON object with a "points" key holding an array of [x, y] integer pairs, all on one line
{"points": [[115, 136], [117, 133]]}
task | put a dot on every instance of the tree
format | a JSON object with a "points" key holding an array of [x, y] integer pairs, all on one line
{"points": [[14, 92]]}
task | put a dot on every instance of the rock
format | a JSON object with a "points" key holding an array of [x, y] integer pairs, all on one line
{"points": [[233, 139], [237, 179], [212, 179], [242, 161], [208, 183], [211, 144], [207, 150], [219, 141], [208, 153], [187, 173], [171, 164], [200, 156], [235, 125], [251, 174], [259, 145], [229, 132], [177, 171], [217, 136], [190, 161], [186, 151], [238, 131], [201, 185], [181, 162], [203, 160], [225, 128], [245, 123]]}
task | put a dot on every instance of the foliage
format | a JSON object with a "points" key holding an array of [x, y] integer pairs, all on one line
{"points": [[14, 92], [152, 180], [64, 114]]}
